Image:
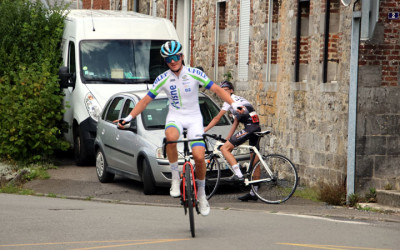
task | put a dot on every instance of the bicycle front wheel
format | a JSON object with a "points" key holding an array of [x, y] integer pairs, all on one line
{"points": [[213, 176], [279, 186], [189, 193]]}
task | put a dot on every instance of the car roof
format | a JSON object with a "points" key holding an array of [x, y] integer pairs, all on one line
{"points": [[143, 93]]}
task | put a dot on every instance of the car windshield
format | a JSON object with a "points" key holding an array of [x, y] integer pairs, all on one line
{"points": [[121, 61], [155, 114]]}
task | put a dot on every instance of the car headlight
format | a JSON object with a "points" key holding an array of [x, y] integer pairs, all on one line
{"points": [[92, 106], [160, 155]]}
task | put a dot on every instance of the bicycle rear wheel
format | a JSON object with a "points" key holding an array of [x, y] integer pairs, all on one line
{"points": [[281, 185], [213, 176], [189, 193]]}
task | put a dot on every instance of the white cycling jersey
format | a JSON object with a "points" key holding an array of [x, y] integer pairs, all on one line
{"points": [[183, 97], [182, 91], [237, 99]]}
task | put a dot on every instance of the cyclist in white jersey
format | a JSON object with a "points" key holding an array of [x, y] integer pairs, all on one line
{"points": [[246, 115], [181, 84]]}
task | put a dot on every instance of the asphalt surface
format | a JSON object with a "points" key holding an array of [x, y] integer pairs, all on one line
{"points": [[71, 181]]}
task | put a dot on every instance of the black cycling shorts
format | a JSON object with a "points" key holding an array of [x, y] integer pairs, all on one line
{"points": [[246, 134]]}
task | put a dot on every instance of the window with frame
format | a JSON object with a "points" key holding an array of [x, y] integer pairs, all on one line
{"points": [[114, 109]]}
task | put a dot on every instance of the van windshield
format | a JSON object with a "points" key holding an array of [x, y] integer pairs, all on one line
{"points": [[121, 61]]}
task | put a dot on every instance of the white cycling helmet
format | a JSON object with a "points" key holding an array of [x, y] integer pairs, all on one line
{"points": [[171, 48]]}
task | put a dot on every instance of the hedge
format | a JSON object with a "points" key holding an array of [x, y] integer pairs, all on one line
{"points": [[30, 97]]}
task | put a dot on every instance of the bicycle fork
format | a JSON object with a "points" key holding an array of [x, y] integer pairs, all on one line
{"points": [[185, 202]]}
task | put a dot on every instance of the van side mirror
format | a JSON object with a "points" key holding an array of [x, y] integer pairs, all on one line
{"points": [[66, 79]]}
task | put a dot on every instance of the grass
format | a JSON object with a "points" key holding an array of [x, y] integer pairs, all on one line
{"points": [[307, 193], [12, 189], [26, 172]]}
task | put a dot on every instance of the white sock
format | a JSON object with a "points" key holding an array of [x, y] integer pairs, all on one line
{"points": [[175, 170], [201, 188], [251, 191], [237, 170]]}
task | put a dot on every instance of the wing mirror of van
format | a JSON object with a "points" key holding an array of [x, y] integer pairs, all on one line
{"points": [[66, 79]]}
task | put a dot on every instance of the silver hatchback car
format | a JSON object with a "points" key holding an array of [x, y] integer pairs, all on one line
{"points": [[137, 152]]}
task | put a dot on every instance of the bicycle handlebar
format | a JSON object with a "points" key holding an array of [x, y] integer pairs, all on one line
{"points": [[214, 136], [165, 142]]}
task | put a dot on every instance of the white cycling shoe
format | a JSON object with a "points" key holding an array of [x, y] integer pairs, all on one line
{"points": [[175, 190], [204, 207]]}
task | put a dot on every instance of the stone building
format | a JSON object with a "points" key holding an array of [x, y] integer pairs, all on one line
{"points": [[292, 59]]}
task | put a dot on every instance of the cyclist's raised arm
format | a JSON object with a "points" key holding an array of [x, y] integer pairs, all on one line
{"points": [[221, 93], [233, 128], [215, 120]]}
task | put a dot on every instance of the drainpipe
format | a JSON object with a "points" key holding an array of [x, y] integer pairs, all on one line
{"points": [[352, 121], [298, 34], [326, 42], [269, 38]]}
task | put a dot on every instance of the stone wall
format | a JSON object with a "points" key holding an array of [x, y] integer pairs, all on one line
{"points": [[309, 118], [378, 114]]}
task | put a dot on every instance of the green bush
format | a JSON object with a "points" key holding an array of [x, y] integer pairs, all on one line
{"points": [[31, 100]]}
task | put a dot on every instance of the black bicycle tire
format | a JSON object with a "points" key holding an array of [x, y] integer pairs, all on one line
{"points": [[212, 181], [285, 186], [190, 197]]}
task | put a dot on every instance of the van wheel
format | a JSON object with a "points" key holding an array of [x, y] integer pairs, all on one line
{"points": [[101, 168], [79, 149], [149, 186]]}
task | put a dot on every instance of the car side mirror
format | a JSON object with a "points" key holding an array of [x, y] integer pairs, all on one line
{"points": [[133, 126], [66, 79]]}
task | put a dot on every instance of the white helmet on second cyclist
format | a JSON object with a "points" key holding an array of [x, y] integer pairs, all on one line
{"points": [[171, 48]]}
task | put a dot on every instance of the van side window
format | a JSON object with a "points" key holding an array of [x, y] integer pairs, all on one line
{"points": [[114, 109], [71, 57]]}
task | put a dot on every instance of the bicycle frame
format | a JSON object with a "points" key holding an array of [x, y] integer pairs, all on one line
{"points": [[183, 177], [250, 167], [187, 157]]}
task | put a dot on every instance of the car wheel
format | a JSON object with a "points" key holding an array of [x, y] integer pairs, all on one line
{"points": [[101, 168], [149, 186], [80, 155]]}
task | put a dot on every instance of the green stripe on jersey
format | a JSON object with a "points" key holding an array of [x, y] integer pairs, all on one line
{"points": [[205, 83]]}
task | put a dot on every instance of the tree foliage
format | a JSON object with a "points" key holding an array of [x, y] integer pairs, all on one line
{"points": [[31, 100]]}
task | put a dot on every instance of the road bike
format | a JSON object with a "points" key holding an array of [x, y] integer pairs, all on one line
{"points": [[272, 177], [188, 182]]}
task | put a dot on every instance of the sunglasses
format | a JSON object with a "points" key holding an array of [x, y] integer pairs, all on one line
{"points": [[174, 57]]}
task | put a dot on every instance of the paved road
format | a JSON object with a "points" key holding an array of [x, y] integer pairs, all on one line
{"points": [[32, 222], [81, 182]]}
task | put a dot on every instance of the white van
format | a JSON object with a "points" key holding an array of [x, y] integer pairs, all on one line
{"points": [[106, 52]]}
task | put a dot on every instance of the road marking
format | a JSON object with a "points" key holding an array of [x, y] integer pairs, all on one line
{"points": [[340, 220], [332, 247], [132, 242]]}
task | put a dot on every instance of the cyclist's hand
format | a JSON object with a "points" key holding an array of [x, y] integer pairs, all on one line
{"points": [[237, 107]]}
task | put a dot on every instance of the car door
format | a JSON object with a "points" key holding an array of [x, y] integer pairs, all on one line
{"points": [[127, 145], [108, 130]]}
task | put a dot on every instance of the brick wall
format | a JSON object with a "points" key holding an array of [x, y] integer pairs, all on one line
{"points": [[98, 4]]}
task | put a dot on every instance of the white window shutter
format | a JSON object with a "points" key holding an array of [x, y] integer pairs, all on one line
{"points": [[244, 28]]}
